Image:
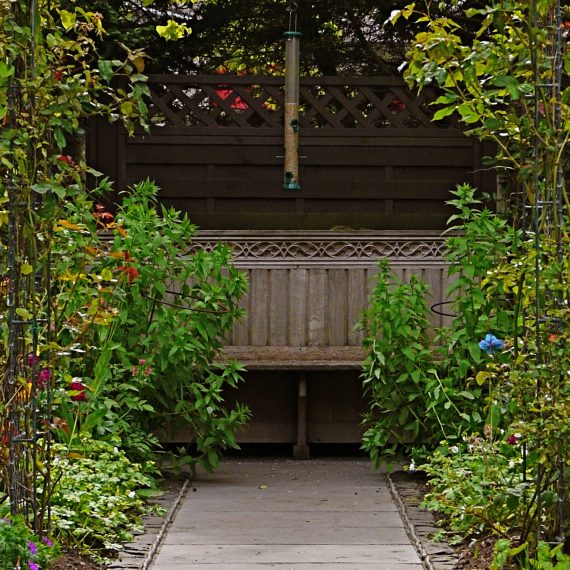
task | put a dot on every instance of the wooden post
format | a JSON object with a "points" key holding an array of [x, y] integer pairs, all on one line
{"points": [[291, 164], [301, 449]]}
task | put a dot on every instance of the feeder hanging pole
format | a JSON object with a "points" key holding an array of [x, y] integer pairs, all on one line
{"points": [[291, 164]]}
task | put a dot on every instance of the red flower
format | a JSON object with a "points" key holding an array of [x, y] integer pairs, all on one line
{"points": [[396, 106], [132, 272], [78, 387], [65, 158], [58, 75], [552, 337], [512, 439]]}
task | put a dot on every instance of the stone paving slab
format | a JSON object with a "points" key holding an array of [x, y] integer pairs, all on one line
{"points": [[288, 566], [284, 520], [320, 514], [303, 534], [401, 555]]}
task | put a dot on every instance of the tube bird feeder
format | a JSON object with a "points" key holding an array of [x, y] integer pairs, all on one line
{"points": [[291, 122]]}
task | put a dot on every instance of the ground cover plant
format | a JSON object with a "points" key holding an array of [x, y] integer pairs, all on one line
{"points": [[495, 441]]}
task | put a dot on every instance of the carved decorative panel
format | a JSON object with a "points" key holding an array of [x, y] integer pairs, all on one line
{"points": [[313, 249]]}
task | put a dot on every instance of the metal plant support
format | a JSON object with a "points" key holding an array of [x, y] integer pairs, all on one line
{"points": [[26, 386], [543, 213]]}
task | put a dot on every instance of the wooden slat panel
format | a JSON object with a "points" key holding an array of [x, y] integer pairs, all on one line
{"points": [[433, 276], [259, 325], [240, 334], [357, 301], [337, 307], [317, 304], [298, 292], [278, 306]]}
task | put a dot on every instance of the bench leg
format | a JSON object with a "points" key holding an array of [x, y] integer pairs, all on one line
{"points": [[301, 449]]}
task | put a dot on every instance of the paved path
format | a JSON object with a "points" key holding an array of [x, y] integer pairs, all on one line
{"points": [[285, 514]]}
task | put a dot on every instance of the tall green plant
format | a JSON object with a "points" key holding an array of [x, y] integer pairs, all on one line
{"points": [[397, 366], [141, 320]]}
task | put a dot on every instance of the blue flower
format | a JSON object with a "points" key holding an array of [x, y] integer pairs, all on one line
{"points": [[491, 343]]}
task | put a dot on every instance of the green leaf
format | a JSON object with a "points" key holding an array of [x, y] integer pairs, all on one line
{"points": [[68, 19], [445, 112], [106, 69], [173, 31], [5, 70], [467, 395], [26, 269], [24, 314], [509, 83], [59, 138], [42, 187], [106, 274]]}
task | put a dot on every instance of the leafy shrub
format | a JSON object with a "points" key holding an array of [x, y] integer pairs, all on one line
{"points": [[421, 395], [21, 548], [397, 366], [140, 321], [479, 484]]}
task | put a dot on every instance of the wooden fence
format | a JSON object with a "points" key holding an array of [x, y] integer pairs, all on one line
{"points": [[369, 155]]}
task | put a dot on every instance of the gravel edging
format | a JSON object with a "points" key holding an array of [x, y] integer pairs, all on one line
{"points": [[407, 492], [139, 554]]}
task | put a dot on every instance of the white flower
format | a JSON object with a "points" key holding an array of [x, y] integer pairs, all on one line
{"points": [[454, 449], [131, 494], [412, 466]]}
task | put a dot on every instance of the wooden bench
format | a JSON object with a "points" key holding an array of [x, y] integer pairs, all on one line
{"points": [[301, 359]]}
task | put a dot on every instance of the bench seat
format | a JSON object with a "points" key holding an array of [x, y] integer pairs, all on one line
{"points": [[301, 358]]}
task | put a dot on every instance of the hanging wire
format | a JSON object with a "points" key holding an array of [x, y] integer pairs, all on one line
{"points": [[292, 9]]}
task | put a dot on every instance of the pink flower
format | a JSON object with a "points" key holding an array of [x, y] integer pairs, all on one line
{"points": [[147, 371], [79, 387], [32, 547], [33, 360], [135, 370], [47, 541], [142, 361], [33, 566], [44, 378], [512, 439]]}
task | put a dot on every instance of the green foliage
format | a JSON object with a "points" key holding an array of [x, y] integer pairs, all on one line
{"points": [[397, 367], [140, 322], [544, 558], [477, 240], [420, 395], [20, 547], [479, 485], [488, 82], [510, 283], [95, 506]]}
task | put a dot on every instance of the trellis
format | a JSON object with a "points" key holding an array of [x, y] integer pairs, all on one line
{"points": [[26, 386], [543, 219]]}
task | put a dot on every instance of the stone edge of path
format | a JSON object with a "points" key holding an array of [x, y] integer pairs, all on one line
{"points": [[407, 492], [139, 554]]}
